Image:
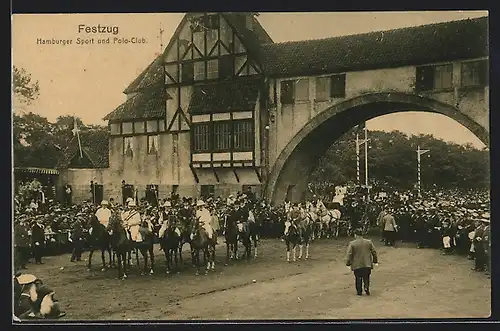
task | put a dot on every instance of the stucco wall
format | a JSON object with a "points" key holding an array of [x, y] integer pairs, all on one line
{"points": [[290, 119]]}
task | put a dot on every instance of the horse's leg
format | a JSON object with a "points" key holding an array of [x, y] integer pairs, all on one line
{"points": [[294, 250], [180, 252], [152, 257], [196, 260], [137, 259], [144, 253], [119, 258], [91, 252], [103, 259], [167, 253], [287, 251], [213, 257], [125, 266], [301, 246], [255, 246], [227, 252], [307, 250]]}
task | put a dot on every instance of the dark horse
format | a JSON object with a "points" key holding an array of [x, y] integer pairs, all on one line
{"points": [[201, 243], [306, 230], [99, 238], [170, 242], [246, 232], [123, 245], [292, 239]]}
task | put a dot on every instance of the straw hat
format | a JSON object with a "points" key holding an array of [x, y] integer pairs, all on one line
{"points": [[167, 204], [26, 279], [200, 203], [132, 203], [104, 202]]}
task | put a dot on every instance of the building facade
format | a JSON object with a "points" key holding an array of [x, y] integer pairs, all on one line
{"points": [[224, 109]]}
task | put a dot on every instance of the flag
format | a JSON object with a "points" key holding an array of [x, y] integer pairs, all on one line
{"points": [[76, 132], [75, 127]]}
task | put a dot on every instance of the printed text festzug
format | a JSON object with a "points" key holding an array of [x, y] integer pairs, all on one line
{"points": [[82, 28]]}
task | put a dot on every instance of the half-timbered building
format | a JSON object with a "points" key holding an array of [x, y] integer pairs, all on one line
{"points": [[225, 109]]}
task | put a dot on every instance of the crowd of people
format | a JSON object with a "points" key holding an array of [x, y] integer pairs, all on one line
{"points": [[454, 221]]}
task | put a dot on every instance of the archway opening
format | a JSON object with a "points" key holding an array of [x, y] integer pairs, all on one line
{"points": [[291, 172]]}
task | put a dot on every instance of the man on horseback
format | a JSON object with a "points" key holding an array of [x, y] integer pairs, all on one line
{"points": [[103, 214], [293, 218], [132, 220], [204, 218]]}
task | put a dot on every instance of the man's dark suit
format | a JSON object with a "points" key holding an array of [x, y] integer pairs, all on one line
{"points": [[361, 255]]}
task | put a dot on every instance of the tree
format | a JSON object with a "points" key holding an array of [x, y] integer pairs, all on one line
{"points": [[392, 162], [40, 143], [24, 88]]}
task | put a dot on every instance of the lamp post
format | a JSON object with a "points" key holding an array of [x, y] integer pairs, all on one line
{"points": [[358, 144], [419, 153]]}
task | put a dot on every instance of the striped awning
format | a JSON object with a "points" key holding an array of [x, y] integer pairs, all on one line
{"points": [[35, 170]]}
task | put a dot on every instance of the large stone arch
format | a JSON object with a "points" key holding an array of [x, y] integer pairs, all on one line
{"points": [[300, 155]]}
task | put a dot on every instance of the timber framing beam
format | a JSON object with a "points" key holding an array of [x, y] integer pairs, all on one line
{"points": [[194, 174]]}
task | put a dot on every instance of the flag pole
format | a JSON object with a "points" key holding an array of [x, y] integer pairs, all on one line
{"points": [[76, 131]]}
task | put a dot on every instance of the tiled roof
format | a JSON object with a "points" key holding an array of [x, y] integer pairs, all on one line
{"points": [[95, 152], [152, 76], [407, 46], [239, 94], [145, 105]]}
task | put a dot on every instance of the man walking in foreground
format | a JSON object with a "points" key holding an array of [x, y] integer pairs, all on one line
{"points": [[361, 256]]}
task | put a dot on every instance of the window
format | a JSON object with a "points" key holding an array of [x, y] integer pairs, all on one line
{"points": [[474, 73], [443, 77], [207, 191], [322, 88], [153, 144], [226, 66], [337, 86], [201, 137], [199, 70], [434, 77], [287, 87], [212, 69], [152, 126], [114, 128], [222, 136], [187, 72], [302, 90], [127, 128], [138, 127], [243, 135], [128, 146]]}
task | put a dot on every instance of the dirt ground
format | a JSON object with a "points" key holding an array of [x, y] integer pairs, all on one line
{"points": [[408, 283]]}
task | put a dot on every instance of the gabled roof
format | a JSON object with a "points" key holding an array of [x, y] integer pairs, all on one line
{"points": [[238, 94], [407, 46], [96, 154], [152, 76], [252, 39], [145, 105]]}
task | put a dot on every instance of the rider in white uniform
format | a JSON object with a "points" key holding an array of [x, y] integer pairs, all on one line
{"points": [[204, 217], [103, 214], [133, 221]]}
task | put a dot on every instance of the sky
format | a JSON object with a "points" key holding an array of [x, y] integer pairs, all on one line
{"points": [[88, 80]]}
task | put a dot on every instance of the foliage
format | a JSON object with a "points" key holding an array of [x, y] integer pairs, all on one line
{"points": [[24, 88], [40, 143], [392, 161]]}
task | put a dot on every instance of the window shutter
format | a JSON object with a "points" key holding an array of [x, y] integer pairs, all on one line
{"points": [[425, 78], [337, 86]]}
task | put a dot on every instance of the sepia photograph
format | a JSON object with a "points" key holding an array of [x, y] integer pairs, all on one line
{"points": [[237, 166]]}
